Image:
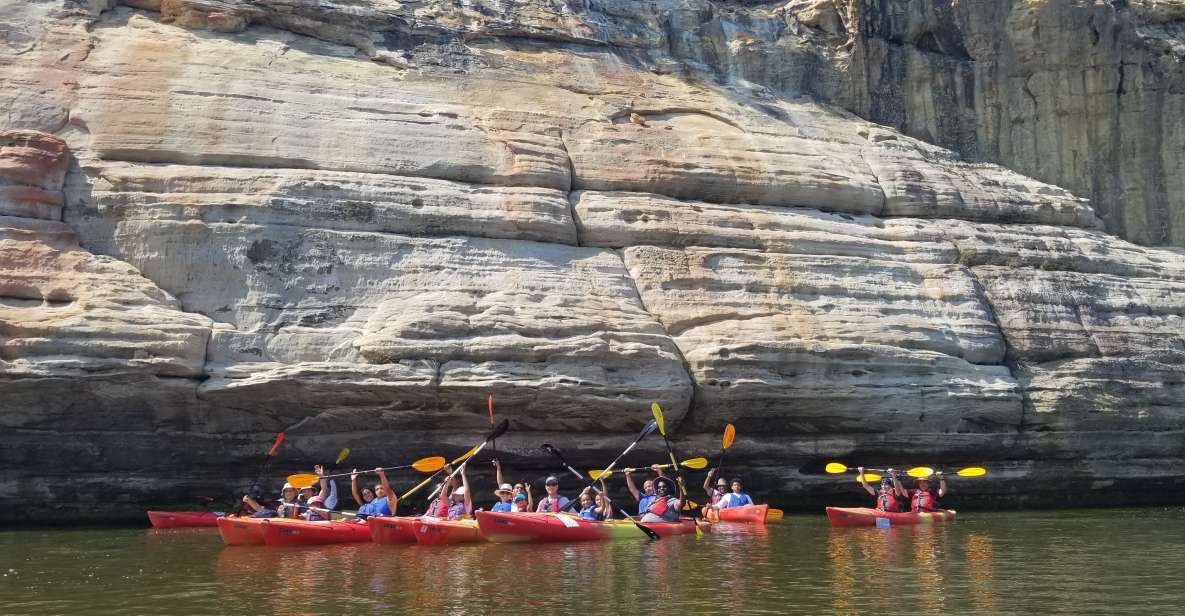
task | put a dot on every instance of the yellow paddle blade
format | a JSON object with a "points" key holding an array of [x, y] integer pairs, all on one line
{"points": [[695, 463], [836, 467], [429, 465], [974, 471], [730, 434], [342, 455], [466, 455], [920, 472], [774, 514], [656, 410], [870, 477], [599, 474], [303, 480]]}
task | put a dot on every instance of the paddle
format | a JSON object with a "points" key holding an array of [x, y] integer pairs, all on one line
{"points": [[423, 465], [692, 463], [662, 429], [835, 468], [267, 459], [490, 406], [730, 434], [646, 431], [495, 433]]}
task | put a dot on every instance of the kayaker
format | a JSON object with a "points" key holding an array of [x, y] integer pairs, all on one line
{"points": [[886, 496], [553, 502], [595, 507], [665, 506], [505, 493], [285, 508], [438, 506], [523, 499], [714, 494], [922, 498], [383, 501], [735, 498], [363, 498], [462, 502], [646, 496]]}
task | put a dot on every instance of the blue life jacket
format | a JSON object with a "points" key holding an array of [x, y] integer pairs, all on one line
{"points": [[502, 507], [589, 513], [735, 500]]}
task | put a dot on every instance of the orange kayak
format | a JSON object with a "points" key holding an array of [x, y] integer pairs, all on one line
{"points": [[182, 519], [241, 531], [283, 532], [751, 514], [539, 527], [862, 516], [434, 531], [395, 529]]}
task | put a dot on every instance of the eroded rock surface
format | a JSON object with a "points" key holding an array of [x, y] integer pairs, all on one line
{"points": [[353, 221]]}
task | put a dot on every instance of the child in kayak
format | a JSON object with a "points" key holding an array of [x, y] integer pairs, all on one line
{"points": [[462, 503], [665, 507], [505, 493], [923, 498], [595, 508], [285, 508], [646, 496], [736, 498], [553, 501], [886, 496], [523, 500]]}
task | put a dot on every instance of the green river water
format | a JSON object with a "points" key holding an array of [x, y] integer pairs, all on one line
{"points": [[1128, 561]]}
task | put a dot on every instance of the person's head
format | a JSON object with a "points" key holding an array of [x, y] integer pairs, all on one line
{"points": [[648, 486], [886, 485], [459, 494], [552, 484], [305, 493], [505, 492], [664, 487], [379, 492], [737, 486], [287, 493], [520, 499], [722, 485], [600, 500], [923, 483], [367, 495], [519, 489], [586, 499], [317, 501]]}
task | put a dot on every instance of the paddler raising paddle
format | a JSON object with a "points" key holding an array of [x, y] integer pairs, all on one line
{"points": [[736, 498], [665, 507], [922, 498], [382, 500], [886, 496], [647, 495], [715, 494]]}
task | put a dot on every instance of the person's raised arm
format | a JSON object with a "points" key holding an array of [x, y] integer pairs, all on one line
{"points": [[324, 493], [708, 482], [864, 481], [468, 492], [392, 498], [629, 483], [657, 468], [530, 498], [497, 473], [354, 487], [608, 511], [897, 485], [250, 502], [941, 484]]}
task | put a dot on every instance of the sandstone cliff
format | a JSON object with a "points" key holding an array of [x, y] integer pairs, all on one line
{"points": [[353, 219]]}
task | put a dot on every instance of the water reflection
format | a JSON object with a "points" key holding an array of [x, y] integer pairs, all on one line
{"points": [[978, 553]]}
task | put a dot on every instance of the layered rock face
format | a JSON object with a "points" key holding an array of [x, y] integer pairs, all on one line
{"points": [[353, 221]]}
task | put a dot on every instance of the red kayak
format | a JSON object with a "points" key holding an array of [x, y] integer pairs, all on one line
{"points": [[862, 516], [538, 527], [182, 519], [241, 531], [397, 529], [750, 514], [435, 531], [284, 532]]}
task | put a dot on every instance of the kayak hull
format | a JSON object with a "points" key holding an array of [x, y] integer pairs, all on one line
{"points": [[746, 514], [282, 532], [550, 527], [182, 519], [395, 529], [862, 516], [241, 531], [433, 531]]}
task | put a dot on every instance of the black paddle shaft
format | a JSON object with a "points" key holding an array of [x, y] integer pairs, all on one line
{"points": [[556, 452]]}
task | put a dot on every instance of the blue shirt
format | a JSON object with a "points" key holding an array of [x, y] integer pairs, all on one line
{"points": [[377, 506], [644, 502], [502, 507], [735, 500]]}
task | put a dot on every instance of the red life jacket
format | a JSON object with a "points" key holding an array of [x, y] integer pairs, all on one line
{"points": [[441, 508], [923, 500], [886, 501], [658, 506]]}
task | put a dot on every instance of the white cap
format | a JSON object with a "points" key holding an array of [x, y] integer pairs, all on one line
{"points": [[287, 486], [459, 491]]}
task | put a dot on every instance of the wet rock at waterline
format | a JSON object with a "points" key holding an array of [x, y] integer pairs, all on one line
{"points": [[353, 223]]}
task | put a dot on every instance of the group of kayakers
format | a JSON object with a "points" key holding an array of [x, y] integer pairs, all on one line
{"points": [[891, 494], [658, 500]]}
